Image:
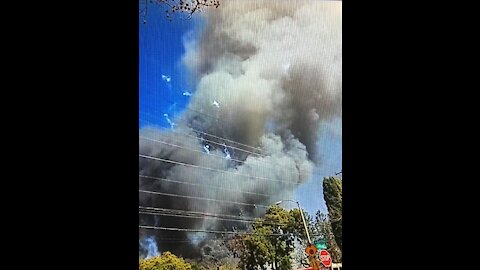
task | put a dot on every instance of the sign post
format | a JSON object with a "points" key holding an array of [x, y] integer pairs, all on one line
{"points": [[311, 250]]}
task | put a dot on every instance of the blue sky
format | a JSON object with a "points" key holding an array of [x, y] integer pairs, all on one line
{"points": [[162, 78], [163, 82]]}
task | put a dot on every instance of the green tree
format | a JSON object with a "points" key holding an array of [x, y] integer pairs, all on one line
{"points": [[167, 261], [283, 227], [258, 248], [323, 230], [272, 240], [209, 265], [332, 192]]}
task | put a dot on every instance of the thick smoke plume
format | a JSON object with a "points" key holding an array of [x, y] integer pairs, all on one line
{"points": [[268, 75]]}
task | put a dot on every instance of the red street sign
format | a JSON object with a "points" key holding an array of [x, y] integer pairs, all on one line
{"points": [[325, 258]]}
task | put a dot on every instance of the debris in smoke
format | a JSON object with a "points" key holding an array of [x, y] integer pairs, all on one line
{"points": [[227, 154], [166, 78], [169, 121], [206, 147]]}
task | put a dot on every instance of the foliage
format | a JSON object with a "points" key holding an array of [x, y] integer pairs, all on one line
{"points": [[167, 261], [332, 192], [323, 230], [272, 240], [209, 264], [173, 7]]}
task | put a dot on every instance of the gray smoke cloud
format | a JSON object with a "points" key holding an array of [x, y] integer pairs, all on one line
{"points": [[268, 75]]}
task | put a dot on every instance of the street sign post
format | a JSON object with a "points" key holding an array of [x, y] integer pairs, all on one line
{"points": [[325, 258], [314, 264], [311, 250]]}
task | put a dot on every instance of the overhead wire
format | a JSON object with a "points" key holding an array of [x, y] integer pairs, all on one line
{"points": [[198, 230], [217, 218], [217, 143], [199, 185], [213, 169], [296, 171], [207, 115], [201, 198], [150, 208], [185, 123]]}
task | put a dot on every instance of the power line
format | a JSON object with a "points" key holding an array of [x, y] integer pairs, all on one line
{"points": [[197, 230], [186, 238], [149, 208], [212, 169], [217, 137], [186, 124], [207, 217], [216, 143], [182, 120], [201, 214], [216, 118], [219, 144], [193, 184], [221, 157], [201, 198], [180, 241], [232, 147], [295, 169], [234, 218], [192, 214], [197, 237], [186, 148]]}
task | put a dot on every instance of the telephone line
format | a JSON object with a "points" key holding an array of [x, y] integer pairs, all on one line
{"points": [[222, 157], [209, 186], [200, 198], [198, 230], [212, 169]]}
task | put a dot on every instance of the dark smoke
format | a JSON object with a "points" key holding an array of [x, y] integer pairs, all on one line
{"points": [[274, 69]]}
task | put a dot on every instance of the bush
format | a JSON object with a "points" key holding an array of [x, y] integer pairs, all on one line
{"points": [[167, 261]]}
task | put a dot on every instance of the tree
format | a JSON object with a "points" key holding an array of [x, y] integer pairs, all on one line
{"points": [[167, 261], [272, 240], [258, 250], [323, 230], [332, 192], [320, 229], [172, 7], [209, 265]]}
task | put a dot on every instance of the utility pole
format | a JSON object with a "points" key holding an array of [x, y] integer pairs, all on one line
{"points": [[311, 250], [303, 218]]}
